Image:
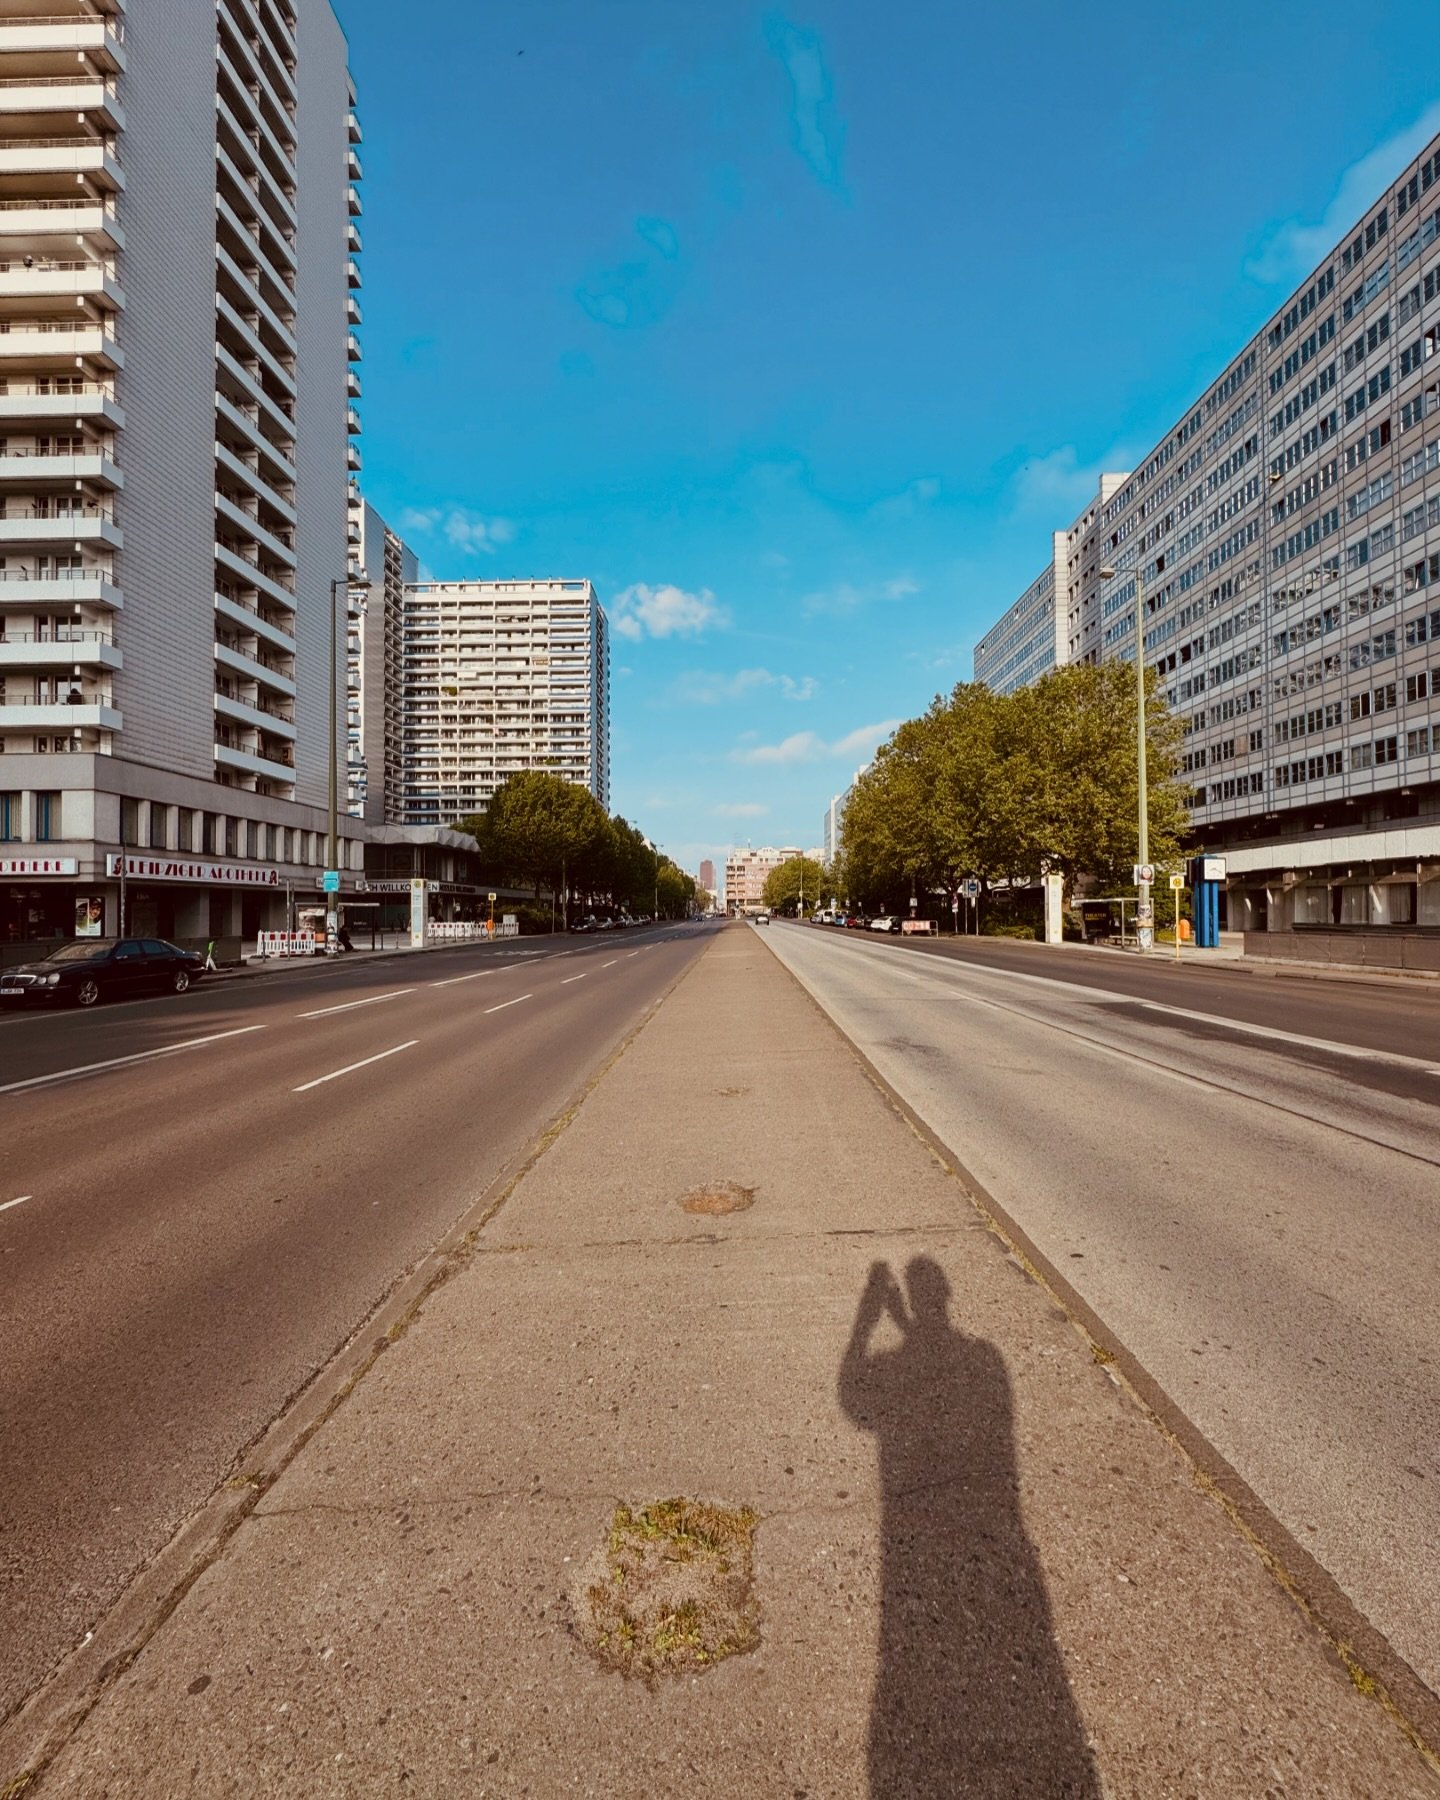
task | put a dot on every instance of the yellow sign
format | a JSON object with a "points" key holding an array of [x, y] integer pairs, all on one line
{"points": [[1176, 883]]}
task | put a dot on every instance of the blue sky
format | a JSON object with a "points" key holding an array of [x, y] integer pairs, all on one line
{"points": [[799, 330]]}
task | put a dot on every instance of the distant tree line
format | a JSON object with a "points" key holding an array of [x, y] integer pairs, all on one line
{"points": [[1002, 788], [794, 885], [544, 832]]}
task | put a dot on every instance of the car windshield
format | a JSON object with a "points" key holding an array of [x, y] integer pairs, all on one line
{"points": [[70, 953]]}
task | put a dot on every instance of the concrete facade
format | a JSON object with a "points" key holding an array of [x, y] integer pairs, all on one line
{"points": [[177, 193], [746, 872], [499, 677], [1287, 534], [1032, 637]]}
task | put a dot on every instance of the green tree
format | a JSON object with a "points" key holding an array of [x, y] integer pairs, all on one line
{"points": [[797, 878]]}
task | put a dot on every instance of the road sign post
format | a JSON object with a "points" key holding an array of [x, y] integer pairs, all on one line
{"points": [[1177, 885], [330, 886]]}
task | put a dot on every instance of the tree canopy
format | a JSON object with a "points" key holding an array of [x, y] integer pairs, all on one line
{"points": [[546, 832], [797, 878], [1005, 787]]}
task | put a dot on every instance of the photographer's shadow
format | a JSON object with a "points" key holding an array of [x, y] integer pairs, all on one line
{"points": [[971, 1696]]}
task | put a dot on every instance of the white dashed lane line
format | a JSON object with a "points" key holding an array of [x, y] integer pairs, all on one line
{"points": [[350, 1005], [350, 1068], [504, 1003], [120, 1062], [474, 975], [569, 978], [611, 964], [5, 1205]]}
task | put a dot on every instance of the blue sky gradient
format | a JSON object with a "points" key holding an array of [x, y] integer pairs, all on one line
{"points": [[798, 330]]}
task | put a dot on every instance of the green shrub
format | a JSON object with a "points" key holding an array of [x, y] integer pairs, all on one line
{"points": [[1027, 932]]}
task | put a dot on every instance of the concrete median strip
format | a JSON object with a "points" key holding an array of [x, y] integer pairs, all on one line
{"points": [[350, 1068]]}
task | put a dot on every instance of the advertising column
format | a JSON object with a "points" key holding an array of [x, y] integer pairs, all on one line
{"points": [[419, 913]]}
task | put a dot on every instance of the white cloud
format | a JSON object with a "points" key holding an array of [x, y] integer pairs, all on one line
{"points": [[662, 612], [847, 598], [1058, 485], [465, 530], [810, 747], [1291, 249], [909, 501], [710, 688], [741, 809], [818, 134]]}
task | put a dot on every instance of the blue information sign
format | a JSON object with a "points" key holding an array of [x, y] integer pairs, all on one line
{"points": [[331, 882]]}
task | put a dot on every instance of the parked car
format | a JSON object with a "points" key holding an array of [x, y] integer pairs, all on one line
{"points": [[854, 923], [92, 969], [885, 923]]}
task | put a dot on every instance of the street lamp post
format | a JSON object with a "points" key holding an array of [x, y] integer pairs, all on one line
{"points": [[1144, 914], [358, 586]]}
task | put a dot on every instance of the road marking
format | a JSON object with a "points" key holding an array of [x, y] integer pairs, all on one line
{"points": [[611, 964], [504, 1003], [350, 1005], [119, 1062], [350, 1068], [474, 975], [569, 978], [630, 953], [5, 1207]]}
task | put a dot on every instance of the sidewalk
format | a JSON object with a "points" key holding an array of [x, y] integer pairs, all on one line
{"points": [[980, 1567]]}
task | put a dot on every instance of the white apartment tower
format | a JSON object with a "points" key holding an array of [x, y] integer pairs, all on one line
{"points": [[177, 276], [500, 677], [375, 686]]}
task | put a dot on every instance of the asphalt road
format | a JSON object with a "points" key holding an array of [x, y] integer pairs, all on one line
{"points": [[203, 1198], [1241, 1176]]}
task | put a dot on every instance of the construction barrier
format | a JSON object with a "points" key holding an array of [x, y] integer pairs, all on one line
{"points": [[285, 943]]}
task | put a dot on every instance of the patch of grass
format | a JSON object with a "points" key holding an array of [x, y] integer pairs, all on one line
{"points": [[671, 1591]]}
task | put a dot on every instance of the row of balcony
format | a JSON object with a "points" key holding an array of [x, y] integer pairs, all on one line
{"points": [[87, 217], [26, 590], [99, 41], [90, 96]]}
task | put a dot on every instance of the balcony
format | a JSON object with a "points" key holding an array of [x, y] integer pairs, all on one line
{"points": [[28, 404], [251, 340], [249, 526], [353, 241], [80, 216], [353, 203], [239, 613], [62, 156], [352, 421], [48, 280], [254, 393], [248, 575], [353, 166], [67, 647], [352, 347], [260, 717], [92, 714], [230, 756], [253, 479], [353, 458], [352, 384], [35, 95], [43, 470], [353, 314], [43, 346], [25, 526], [99, 41], [253, 669], [92, 587]]}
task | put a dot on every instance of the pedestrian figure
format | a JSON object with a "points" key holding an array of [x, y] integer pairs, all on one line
{"points": [[971, 1696], [343, 936]]}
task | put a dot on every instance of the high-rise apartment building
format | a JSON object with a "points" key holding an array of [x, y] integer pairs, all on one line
{"points": [[177, 208], [499, 677], [375, 686], [1286, 534]]}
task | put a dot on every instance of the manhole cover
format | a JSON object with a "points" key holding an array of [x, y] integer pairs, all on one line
{"points": [[718, 1197], [671, 1591]]}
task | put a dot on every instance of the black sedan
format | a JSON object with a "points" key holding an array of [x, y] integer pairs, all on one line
{"points": [[92, 969]]}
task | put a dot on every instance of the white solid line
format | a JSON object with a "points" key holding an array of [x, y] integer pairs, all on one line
{"points": [[474, 975], [350, 1068], [20, 1202], [349, 1005], [569, 978], [504, 1003], [117, 1062]]}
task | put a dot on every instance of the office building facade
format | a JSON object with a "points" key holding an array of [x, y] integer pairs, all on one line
{"points": [[177, 207], [1286, 534], [499, 677]]}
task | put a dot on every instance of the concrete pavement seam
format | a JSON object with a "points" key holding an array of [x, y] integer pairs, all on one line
{"points": [[1372, 1665], [51, 1715]]}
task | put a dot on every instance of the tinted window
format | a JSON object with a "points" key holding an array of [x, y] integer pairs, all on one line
{"points": [[81, 953], [156, 947], [128, 951]]}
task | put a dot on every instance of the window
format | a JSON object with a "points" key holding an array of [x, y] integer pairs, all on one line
{"points": [[1386, 750], [130, 822], [1359, 706], [232, 837], [9, 818], [159, 820], [207, 834], [185, 830], [1417, 743], [47, 818], [1417, 687]]}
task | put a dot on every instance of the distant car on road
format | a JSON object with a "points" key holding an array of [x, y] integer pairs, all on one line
{"points": [[93, 969], [762, 918]]}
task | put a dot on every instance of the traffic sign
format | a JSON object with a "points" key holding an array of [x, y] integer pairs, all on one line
{"points": [[330, 881], [492, 899], [955, 903], [970, 888], [1176, 883]]}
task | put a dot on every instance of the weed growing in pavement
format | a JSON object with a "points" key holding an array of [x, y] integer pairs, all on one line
{"points": [[671, 1591]]}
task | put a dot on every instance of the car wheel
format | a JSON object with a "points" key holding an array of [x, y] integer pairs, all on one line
{"points": [[88, 992], [180, 981]]}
